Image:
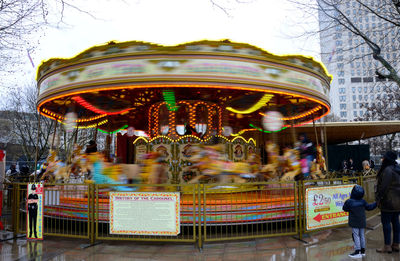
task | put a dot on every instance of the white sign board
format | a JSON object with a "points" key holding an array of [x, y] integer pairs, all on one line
{"points": [[145, 213]]}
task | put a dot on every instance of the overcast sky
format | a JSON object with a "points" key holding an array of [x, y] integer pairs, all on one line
{"points": [[265, 23]]}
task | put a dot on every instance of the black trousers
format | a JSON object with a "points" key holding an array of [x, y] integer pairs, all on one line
{"points": [[32, 221]]}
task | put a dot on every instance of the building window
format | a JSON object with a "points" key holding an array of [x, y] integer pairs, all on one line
{"points": [[341, 81], [343, 114], [361, 113], [353, 89], [359, 97], [354, 105], [341, 73], [359, 89], [367, 79], [365, 89], [343, 106], [340, 65], [354, 98], [355, 113], [365, 97], [372, 97], [342, 98], [342, 90]]}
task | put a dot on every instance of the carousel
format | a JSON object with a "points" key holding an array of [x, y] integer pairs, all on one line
{"points": [[200, 112]]}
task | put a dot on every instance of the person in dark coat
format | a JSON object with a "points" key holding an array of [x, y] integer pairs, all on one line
{"points": [[345, 168], [372, 164], [12, 170], [91, 147], [356, 207], [387, 196], [351, 166]]}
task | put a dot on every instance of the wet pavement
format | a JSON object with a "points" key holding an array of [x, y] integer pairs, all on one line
{"points": [[331, 244]]}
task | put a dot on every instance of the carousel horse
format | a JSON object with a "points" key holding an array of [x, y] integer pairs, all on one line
{"points": [[292, 168], [254, 162], [153, 171], [271, 170], [158, 171], [78, 163], [210, 163], [50, 167], [319, 165], [105, 172], [54, 170]]}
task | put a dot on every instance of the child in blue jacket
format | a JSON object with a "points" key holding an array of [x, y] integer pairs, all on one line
{"points": [[356, 207]]}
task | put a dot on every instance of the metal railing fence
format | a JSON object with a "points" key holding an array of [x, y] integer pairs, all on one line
{"points": [[66, 210], [304, 184], [189, 213], [209, 212], [248, 210]]}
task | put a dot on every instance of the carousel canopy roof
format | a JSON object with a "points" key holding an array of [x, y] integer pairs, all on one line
{"points": [[341, 132], [114, 85]]}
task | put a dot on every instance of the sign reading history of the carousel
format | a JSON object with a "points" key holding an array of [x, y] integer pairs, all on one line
{"points": [[324, 206], [145, 213], [34, 207]]}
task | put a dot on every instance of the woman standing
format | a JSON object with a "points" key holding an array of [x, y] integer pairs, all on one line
{"points": [[388, 198]]}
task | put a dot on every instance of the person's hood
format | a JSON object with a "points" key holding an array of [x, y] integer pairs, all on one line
{"points": [[357, 192]]}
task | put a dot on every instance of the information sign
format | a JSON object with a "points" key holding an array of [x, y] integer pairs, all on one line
{"points": [[145, 213], [324, 206]]}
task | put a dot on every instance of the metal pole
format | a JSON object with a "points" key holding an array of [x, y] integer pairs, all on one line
{"points": [[326, 147], [37, 145], [76, 134], [95, 132], [315, 131], [293, 131], [54, 134]]}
